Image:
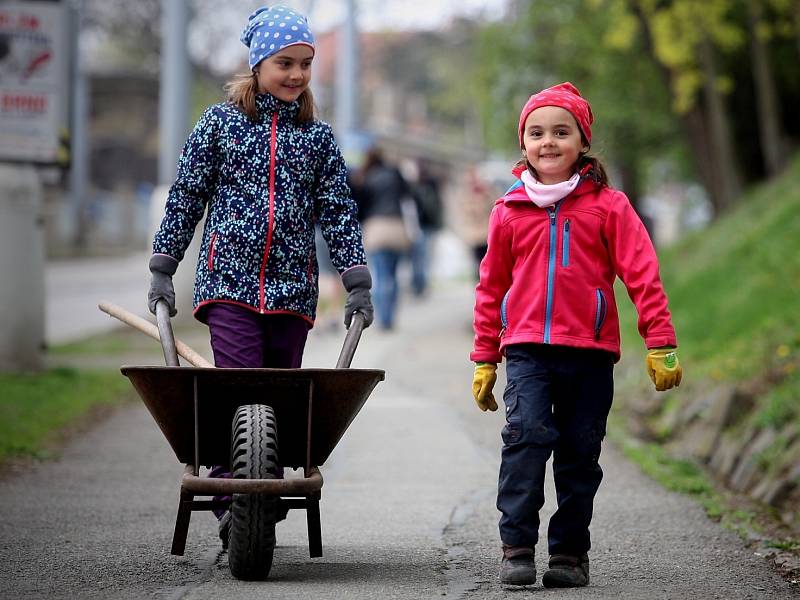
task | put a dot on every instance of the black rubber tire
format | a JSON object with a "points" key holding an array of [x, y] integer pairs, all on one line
{"points": [[254, 455]]}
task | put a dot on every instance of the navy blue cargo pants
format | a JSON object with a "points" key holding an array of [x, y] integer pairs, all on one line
{"points": [[557, 402]]}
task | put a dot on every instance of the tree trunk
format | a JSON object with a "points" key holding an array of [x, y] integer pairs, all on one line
{"points": [[630, 182], [797, 31], [694, 123], [723, 160], [769, 117]]}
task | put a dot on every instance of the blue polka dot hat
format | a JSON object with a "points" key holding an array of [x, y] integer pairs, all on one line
{"points": [[270, 30]]}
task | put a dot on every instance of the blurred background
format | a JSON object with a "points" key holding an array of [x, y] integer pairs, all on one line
{"points": [[697, 121]]}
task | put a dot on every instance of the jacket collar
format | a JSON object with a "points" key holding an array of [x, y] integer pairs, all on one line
{"points": [[517, 191], [266, 104]]}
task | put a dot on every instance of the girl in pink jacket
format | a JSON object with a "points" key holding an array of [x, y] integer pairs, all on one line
{"points": [[545, 300]]}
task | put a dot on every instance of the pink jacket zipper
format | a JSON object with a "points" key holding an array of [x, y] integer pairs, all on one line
{"points": [[270, 225], [211, 249]]}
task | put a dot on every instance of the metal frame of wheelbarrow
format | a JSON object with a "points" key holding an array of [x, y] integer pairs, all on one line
{"points": [[313, 408]]}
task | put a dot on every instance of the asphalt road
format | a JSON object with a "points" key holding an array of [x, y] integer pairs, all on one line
{"points": [[407, 506], [74, 287]]}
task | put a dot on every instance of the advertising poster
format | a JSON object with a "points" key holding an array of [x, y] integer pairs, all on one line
{"points": [[33, 80]]}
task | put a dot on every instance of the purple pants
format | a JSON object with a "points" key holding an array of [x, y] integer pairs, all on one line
{"points": [[246, 339], [243, 338]]}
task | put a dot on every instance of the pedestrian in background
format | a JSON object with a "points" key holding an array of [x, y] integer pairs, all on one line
{"points": [[381, 192], [475, 206], [545, 300], [266, 171], [426, 195]]}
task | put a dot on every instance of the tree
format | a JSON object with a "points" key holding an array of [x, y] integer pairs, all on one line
{"points": [[595, 46], [769, 113], [683, 36], [701, 48]]}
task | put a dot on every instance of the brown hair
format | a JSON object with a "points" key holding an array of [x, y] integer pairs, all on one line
{"points": [[242, 91]]}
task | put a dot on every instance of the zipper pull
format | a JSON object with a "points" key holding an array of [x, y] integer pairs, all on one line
{"points": [[566, 226], [552, 216]]}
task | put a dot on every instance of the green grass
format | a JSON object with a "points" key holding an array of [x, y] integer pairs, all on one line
{"points": [[34, 408], [790, 545], [687, 477], [734, 287], [733, 290]]}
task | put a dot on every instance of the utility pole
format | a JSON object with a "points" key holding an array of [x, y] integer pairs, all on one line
{"points": [[173, 115], [173, 125], [79, 129], [347, 83]]}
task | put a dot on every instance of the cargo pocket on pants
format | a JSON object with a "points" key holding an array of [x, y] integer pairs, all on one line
{"points": [[512, 431]]}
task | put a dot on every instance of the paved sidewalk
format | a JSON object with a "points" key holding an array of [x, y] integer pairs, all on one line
{"points": [[74, 288], [407, 510]]}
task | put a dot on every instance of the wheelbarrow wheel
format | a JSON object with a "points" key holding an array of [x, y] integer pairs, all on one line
{"points": [[254, 455]]}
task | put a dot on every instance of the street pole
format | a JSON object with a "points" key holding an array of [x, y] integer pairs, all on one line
{"points": [[173, 125], [79, 131], [174, 85], [347, 88]]}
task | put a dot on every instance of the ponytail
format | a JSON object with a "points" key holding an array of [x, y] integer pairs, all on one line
{"points": [[243, 89], [597, 172]]}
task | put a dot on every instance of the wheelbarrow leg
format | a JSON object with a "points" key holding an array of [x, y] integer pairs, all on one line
{"points": [[314, 530], [182, 523]]}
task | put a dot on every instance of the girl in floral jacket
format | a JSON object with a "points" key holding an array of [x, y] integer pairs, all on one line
{"points": [[264, 171], [557, 241]]}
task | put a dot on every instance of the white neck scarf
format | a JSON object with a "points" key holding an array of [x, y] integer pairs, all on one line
{"points": [[544, 195]]}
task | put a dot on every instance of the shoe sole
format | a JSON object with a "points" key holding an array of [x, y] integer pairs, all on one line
{"points": [[515, 586], [555, 582], [521, 583]]}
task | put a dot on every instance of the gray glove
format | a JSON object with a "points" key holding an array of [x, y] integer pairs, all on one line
{"points": [[162, 267], [357, 281]]}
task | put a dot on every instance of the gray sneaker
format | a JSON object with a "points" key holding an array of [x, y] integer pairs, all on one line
{"points": [[567, 571], [518, 566]]}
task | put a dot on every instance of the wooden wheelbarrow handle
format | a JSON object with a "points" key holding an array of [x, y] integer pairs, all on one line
{"points": [[148, 328]]}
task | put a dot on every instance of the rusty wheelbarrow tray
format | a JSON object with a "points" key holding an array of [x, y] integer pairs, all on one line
{"points": [[194, 408]]}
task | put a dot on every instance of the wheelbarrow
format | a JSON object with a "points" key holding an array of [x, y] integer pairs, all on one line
{"points": [[256, 421]]}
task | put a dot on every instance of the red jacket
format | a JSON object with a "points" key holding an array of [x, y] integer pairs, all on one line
{"points": [[548, 275]]}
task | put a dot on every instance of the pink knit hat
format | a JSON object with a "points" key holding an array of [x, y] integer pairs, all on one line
{"points": [[567, 97]]}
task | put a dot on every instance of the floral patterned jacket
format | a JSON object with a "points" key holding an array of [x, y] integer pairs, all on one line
{"points": [[264, 185]]}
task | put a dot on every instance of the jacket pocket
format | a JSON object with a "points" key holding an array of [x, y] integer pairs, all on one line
{"points": [[310, 266], [565, 244], [212, 245], [504, 313], [512, 431], [599, 312]]}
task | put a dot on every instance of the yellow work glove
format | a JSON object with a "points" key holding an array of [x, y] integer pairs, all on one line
{"points": [[664, 368], [482, 384]]}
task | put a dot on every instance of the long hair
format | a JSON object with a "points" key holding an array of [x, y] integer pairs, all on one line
{"points": [[243, 89]]}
